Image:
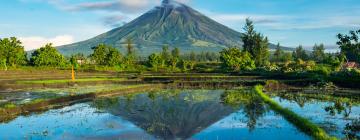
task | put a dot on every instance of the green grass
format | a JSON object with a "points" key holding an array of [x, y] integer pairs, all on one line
{"points": [[303, 124], [9, 105], [36, 101], [68, 81]]}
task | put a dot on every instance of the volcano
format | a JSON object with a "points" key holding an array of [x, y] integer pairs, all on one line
{"points": [[173, 24]]}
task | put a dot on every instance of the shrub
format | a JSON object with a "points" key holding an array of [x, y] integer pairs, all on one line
{"points": [[322, 70]]}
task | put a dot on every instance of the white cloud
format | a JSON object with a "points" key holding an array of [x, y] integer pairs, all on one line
{"points": [[35, 42], [241, 18]]}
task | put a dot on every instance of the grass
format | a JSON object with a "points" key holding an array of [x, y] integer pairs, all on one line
{"points": [[36, 101], [9, 105], [303, 124], [68, 81]]}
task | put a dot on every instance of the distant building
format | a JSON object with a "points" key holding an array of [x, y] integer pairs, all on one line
{"points": [[350, 65], [81, 61]]}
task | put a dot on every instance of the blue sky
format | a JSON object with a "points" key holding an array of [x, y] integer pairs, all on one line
{"points": [[290, 22]]}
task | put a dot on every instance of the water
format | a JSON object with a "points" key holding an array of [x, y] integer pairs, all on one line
{"points": [[22, 97], [170, 114], [315, 110]]}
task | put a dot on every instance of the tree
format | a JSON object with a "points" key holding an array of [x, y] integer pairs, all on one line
{"points": [[155, 61], [286, 57], [318, 53], [47, 56], [249, 37], [12, 52], [350, 45], [175, 52], [192, 56], [165, 52], [234, 59], [262, 50], [113, 57], [300, 53], [173, 62], [106, 55], [100, 53], [130, 58], [175, 58], [255, 43], [278, 53], [129, 47]]}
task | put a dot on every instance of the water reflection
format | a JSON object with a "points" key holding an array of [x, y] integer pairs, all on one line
{"points": [[168, 114], [252, 105], [334, 114]]}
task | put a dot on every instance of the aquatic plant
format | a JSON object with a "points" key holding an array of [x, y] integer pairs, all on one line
{"points": [[340, 107], [301, 123], [352, 130]]}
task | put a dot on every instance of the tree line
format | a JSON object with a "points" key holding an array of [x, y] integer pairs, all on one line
{"points": [[253, 54], [256, 54]]}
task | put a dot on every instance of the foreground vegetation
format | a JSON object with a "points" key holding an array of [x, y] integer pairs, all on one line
{"points": [[303, 124]]}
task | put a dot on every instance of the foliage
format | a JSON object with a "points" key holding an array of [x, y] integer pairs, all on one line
{"points": [[272, 85], [339, 107], [129, 61], [130, 47], [9, 105], [286, 57], [175, 52], [234, 59], [322, 70], [278, 53], [335, 61], [113, 57], [47, 56], [300, 53], [99, 54], [165, 59], [352, 129], [256, 44], [165, 54], [75, 58], [299, 66], [106, 55], [303, 124], [12, 52], [253, 106], [201, 57], [318, 53], [350, 45], [155, 61]]}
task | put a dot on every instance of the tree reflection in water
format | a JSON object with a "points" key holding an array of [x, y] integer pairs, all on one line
{"points": [[252, 105], [181, 114], [337, 105]]}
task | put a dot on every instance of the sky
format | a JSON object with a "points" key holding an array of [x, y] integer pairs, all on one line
{"points": [[289, 22]]}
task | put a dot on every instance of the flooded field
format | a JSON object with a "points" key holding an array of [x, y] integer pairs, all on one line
{"points": [[333, 114], [167, 114], [178, 114]]}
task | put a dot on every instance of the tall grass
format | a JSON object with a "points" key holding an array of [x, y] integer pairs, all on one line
{"points": [[301, 123]]}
